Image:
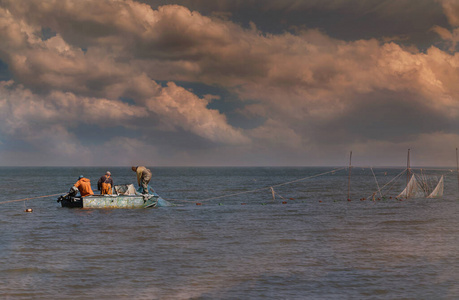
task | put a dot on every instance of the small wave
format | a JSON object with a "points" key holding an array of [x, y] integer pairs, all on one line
{"points": [[408, 222]]}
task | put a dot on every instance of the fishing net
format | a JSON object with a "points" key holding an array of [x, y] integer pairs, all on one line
{"points": [[125, 189], [426, 186]]}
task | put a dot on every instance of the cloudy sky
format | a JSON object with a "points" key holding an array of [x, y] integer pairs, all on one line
{"points": [[228, 82]]}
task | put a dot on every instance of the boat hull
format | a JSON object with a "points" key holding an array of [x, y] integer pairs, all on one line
{"points": [[72, 202], [126, 201], [119, 201]]}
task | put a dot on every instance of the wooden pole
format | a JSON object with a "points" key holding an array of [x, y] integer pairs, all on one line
{"points": [[457, 168], [349, 180], [408, 169]]}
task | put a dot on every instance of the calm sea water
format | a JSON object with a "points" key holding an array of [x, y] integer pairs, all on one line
{"points": [[310, 244]]}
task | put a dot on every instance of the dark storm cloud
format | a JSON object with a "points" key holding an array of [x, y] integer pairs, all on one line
{"points": [[409, 20], [376, 119]]}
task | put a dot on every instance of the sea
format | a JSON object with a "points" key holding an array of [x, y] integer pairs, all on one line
{"points": [[233, 233]]}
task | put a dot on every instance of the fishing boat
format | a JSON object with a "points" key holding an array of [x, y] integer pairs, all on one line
{"points": [[124, 196]]}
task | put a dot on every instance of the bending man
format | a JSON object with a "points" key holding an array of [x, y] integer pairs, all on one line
{"points": [[84, 186], [143, 177]]}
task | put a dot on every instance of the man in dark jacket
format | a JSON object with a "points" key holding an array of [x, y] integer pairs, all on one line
{"points": [[105, 184]]}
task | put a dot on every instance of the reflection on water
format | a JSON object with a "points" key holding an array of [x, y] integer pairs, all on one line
{"points": [[316, 246]]}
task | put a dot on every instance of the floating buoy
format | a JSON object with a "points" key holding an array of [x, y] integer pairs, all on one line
{"points": [[320, 201], [243, 203], [28, 210], [348, 199], [291, 198], [220, 203], [198, 203], [284, 202]]}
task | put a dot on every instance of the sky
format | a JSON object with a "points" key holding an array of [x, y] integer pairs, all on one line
{"points": [[229, 82]]}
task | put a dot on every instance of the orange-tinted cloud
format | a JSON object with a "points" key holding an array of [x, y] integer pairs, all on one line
{"points": [[310, 90]]}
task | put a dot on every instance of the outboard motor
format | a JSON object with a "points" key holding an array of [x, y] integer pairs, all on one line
{"points": [[73, 191], [70, 195]]}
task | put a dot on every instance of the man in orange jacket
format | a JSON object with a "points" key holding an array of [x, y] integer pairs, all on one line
{"points": [[84, 186], [105, 184]]}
